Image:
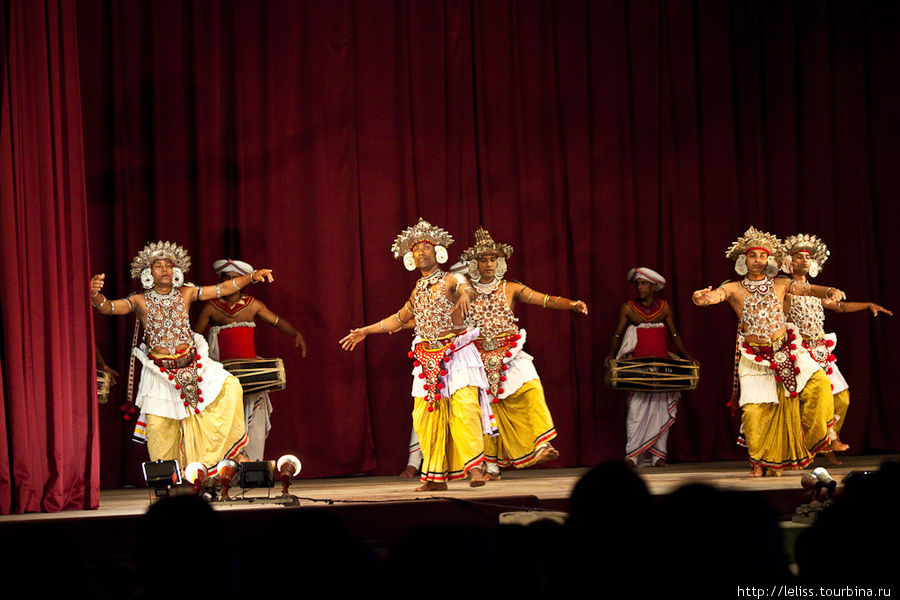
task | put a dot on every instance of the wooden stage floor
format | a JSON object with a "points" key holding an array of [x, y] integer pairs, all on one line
{"points": [[378, 510], [544, 487]]}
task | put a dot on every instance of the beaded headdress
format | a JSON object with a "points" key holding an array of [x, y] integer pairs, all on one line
{"points": [[804, 242], [422, 231], [754, 238], [140, 265], [485, 244]]}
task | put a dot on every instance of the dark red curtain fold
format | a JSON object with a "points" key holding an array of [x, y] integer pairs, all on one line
{"points": [[592, 136], [49, 451]]}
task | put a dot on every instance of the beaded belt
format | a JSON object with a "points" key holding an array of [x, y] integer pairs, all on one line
{"points": [[820, 349], [182, 374], [493, 351], [180, 360], [779, 357]]}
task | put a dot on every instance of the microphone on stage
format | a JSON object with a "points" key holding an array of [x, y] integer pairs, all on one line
{"points": [[288, 467]]}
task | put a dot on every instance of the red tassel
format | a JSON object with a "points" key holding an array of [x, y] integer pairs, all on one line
{"points": [[500, 391], [503, 378], [162, 369], [177, 386], [518, 336], [186, 403], [416, 363], [452, 347], [508, 354], [196, 411], [496, 400], [830, 371], [199, 399], [197, 356], [421, 375], [126, 417], [199, 366], [829, 343], [513, 345], [758, 359], [199, 378], [504, 368], [440, 386], [411, 354], [443, 372], [171, 377], [430, 408], [796, 370]]}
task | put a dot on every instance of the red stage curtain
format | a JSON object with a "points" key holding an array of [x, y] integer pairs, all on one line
{"points": [[592, 136], [49, 451]]}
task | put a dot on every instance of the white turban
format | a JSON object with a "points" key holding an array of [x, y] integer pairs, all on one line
{"points": [[237, 266], [647, 275]]}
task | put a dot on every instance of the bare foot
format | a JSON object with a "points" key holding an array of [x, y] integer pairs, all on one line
{"points": [[839, 446], [546, 454], [432, 486], [833, 459], [630, 464], [756, 471], [409, 472], [478, 478], [493, 476], [661, 463]]}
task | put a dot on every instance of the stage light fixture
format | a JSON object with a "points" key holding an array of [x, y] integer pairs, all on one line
{"points": [[226, 469], [288, 467], [195, 473], [825, 480], [257, 474], [161, 476]]}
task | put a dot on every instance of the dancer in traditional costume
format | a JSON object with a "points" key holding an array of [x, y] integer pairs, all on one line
{"points": [[775, 374], [641, 331], [804, 256], [232, 336], [447, 374], [525, 427], [190, 406]]}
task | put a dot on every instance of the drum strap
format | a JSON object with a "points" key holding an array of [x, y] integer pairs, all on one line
{"points": [[134, 340]]}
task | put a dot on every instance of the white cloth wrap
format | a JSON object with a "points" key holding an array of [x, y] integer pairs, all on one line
{"points": [[214, 336], [838, 383], [464, 369], [520, 371], [157, 394], [758, 385], [630, 337], [649, 419]]}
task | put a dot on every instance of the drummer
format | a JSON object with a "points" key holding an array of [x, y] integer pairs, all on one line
{"points": [[641, 331], [231, 336]]}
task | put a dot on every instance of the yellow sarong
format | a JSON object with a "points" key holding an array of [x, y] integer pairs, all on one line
{"points": [[524, 423], [817, 412], [451, 436], [841, 404], [774, 435], [215, 433]]}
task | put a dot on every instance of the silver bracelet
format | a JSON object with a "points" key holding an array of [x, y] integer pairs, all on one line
{"points": [[218, 290]]}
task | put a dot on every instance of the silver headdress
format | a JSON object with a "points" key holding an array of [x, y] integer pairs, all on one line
{"points": [[423, 231], [804, 242], [754, 238], [140, 265], [485, 244]]}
